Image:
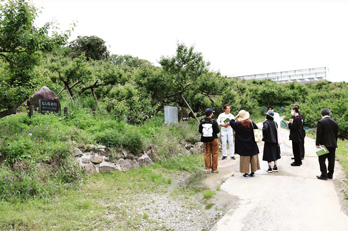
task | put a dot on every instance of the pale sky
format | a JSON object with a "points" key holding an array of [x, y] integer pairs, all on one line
{"points": [[237, 37]]}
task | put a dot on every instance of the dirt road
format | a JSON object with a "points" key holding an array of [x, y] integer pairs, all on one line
{"points": [[292, 199]]}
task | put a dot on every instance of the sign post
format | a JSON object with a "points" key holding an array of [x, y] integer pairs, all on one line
{"points": [[48, 106]]}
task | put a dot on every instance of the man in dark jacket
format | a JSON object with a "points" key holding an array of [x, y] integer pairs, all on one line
{"points": [[327, 133], [209, 129]]}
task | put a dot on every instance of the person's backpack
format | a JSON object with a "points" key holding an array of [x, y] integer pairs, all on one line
{"points": [[207, 130]]}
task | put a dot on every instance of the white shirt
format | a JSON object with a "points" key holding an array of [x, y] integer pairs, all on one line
{"points": [[277, 119], [222, 117]]}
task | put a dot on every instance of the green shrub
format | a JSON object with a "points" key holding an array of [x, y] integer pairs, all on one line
{"points": [[132, 140], [208, 194], [69, 171], [17, 149], [110, 138]]}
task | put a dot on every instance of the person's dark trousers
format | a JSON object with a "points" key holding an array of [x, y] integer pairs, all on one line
{"points": [[302, 149], [297, 152], [327, 172]]}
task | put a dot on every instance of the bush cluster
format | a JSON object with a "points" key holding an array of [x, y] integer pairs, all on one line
{"points": [[51, 138], [23, 185]]}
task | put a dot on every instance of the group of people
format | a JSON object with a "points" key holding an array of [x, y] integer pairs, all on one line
{"points": [[246, 146]]}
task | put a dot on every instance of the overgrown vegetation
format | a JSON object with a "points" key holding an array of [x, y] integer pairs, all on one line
{"points": [[37, 168]]}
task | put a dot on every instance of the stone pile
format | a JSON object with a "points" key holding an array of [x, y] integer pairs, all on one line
{"points": [[96, 158]]}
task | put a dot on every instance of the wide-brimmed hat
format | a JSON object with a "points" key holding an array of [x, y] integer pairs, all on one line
{"points": [[270, 113], [243, 115]]}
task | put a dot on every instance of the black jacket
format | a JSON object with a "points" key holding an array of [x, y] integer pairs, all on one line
{"points": [[216, 129], [245, 144], [296, 130], [269, 131], [303, 121], [327, 132]]}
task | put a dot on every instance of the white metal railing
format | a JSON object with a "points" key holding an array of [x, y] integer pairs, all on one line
{"points": [[301, 75]]}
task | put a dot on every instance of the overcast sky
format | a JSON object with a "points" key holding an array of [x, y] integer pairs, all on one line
{"points": [[236, 37]]}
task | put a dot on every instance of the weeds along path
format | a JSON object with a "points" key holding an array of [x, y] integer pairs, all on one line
{"points": [[292, 199]]}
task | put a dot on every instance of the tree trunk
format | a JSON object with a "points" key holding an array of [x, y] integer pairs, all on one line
{"points": [[61, 91], [96, 100], [10, 111]]}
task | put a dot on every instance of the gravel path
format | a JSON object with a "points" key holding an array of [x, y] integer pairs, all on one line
{"points": [[292, 199]]}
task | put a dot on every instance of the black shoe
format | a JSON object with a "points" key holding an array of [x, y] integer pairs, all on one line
{"points": [[233, 158], [252, 174], [295, 164], [329, 177], [224, 157], [245, 174], [322, 178], [269, 169], [275, 168]]}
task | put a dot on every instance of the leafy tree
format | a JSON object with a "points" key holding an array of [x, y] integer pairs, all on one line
{"points": [[93, 47], [185, 68], [209, 91], [20, 46], [71, 73], [126, 101], [156, 84], [128, 60]]}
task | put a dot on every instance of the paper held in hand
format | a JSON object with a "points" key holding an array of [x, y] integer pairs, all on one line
{"points": [[322, 150], [227, 121]]}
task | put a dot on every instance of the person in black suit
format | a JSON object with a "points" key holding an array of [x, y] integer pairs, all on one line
{"points": [[295, 126], [327, 133], [302, 146]]}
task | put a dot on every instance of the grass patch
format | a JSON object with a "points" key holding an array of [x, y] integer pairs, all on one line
{"points": [[208, 194], [342, 154], [122, 194], [209, 206]]}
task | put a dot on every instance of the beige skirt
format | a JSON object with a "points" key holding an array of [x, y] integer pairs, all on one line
{"points": [[246, 161]]}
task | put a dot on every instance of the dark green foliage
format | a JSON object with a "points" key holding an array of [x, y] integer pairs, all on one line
{"points": [[111, 138], [21, 43], [133, 141], [92, 47]]}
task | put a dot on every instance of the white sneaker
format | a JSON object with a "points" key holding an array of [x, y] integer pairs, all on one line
{"points": [[207, 171]]}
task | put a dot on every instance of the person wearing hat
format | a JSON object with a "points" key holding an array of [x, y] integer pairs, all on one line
{"points": [[226, 132], [276, 117], [271, 149], [209, 129], [245, 144]]}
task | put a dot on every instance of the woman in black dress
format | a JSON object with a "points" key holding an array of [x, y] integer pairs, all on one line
{"points": [[271, 150]]}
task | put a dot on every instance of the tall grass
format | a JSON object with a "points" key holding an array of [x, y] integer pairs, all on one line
{"points": [[342, 154]]}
